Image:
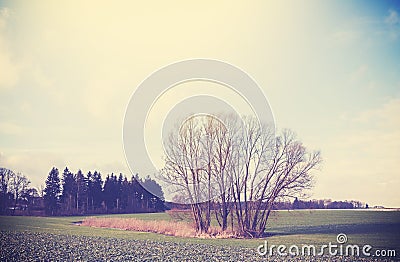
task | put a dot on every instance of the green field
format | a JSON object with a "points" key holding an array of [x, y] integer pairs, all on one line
{"points": [[53, 238]]}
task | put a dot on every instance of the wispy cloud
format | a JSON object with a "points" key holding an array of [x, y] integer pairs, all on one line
{"points": [[9, 128], [361, 29], [346, 37], [366, 155], [392, 21], [392, 18], [8, 68], [4, 14], [385, 117]]}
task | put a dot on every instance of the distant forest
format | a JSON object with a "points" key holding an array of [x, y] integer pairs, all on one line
{"points": [[78, 194], [82, 194], [297, 204]]}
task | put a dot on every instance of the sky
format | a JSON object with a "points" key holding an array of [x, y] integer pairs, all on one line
{"points": [[330, 71]]}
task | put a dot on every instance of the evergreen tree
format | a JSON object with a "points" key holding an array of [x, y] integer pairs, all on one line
{"points": [[96, 189], [296, 204], [138, 191], [52, 192], [81, 192], [68, 192], [89, 196], [109, 192], [119, 191], [153, 187], [125, 194]]}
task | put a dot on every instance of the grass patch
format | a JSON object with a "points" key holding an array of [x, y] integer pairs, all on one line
{"points": [[169, 228], [377, 228], [179, 228]]}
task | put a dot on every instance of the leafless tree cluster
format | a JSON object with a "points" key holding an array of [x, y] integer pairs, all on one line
{"points": [[13, 187], [235, 169]]}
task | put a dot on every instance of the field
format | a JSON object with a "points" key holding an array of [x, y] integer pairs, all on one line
{"points": [[59, 238]]}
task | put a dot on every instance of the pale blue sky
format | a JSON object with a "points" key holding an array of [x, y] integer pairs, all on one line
{"points": [[330, 69]]}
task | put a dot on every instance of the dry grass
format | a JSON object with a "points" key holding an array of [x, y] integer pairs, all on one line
{"points": [[170, 228], [216, 232]]}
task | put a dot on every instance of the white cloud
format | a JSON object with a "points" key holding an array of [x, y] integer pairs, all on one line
{"points": [[393, 18], [8, 68], [363, 162], [9, 128], [386, 118], [4, 15], [393, 22], [36, 164], [360, 30]]}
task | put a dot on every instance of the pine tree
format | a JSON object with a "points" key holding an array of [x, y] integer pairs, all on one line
{"points": [[52, 192], [138, 192], [119, 191], [108, 192], [81, 190], [96, 189], [89, 196], [68, 196], [153, 187], [125, 194]]}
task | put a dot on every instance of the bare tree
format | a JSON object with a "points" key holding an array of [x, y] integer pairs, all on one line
{"points": [[13, 187], [272, 168], [6, 176], [224, 133], [19, 187], [238, 167], [249, 164], [186, 169]]}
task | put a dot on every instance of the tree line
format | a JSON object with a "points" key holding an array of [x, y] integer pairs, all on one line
{"points": [[296, 204], [78, 194], [327, 204]]}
